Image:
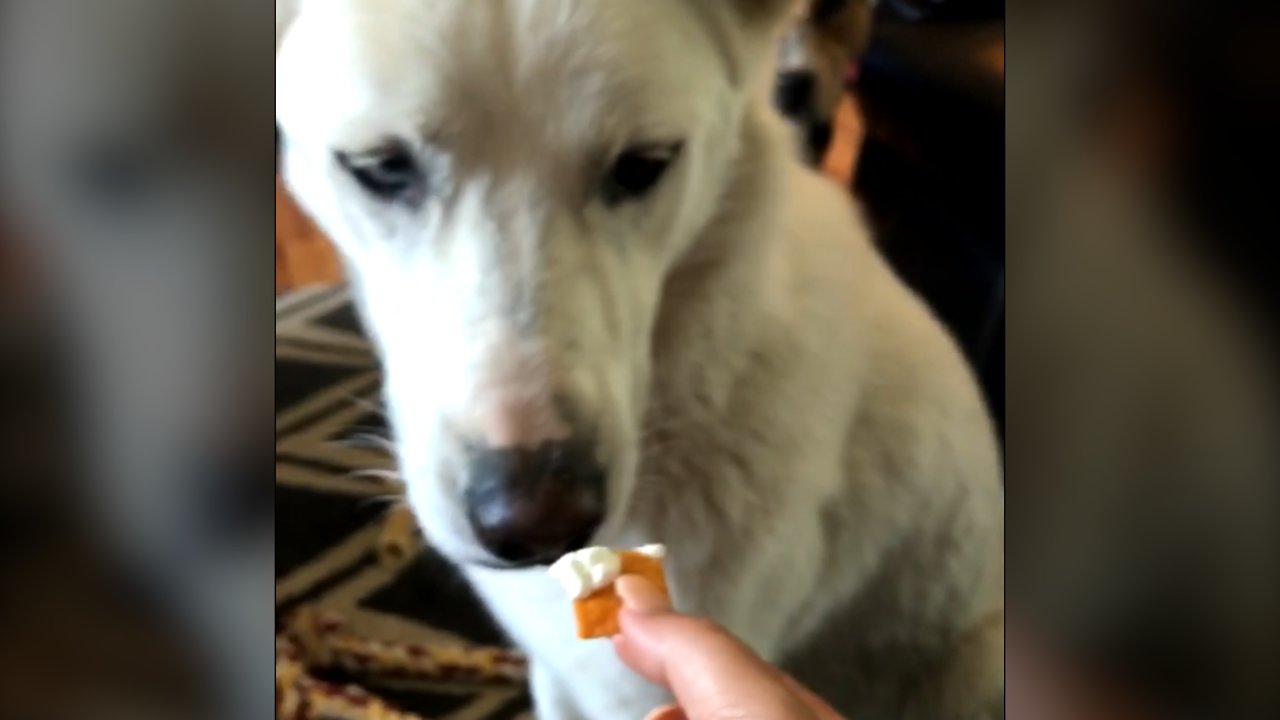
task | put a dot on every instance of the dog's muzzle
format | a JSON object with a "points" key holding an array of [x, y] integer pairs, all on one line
{"points": [[529, 507]]}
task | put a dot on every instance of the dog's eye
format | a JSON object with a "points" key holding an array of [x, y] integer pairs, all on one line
{"points": [[388, 174], [637, 170]]}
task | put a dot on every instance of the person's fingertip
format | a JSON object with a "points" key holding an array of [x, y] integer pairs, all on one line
{"points": [[640, 596], [711, 661]]}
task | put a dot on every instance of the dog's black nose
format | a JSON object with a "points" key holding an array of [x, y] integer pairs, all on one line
{"points": [[529, 507], [794, 94]]}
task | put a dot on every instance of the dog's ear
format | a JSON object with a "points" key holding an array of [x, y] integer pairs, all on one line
{"points": [[286, 12]]}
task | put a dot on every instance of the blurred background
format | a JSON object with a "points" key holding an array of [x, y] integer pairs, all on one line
{"points": [[135, 497], [1122, 167]]}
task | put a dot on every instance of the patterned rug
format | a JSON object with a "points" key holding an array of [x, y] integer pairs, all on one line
{"points": [[331, 517]]}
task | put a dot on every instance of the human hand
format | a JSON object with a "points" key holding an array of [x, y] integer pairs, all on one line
{"points": [[712, 674]]}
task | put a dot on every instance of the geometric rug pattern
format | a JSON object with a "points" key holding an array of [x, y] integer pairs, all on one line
{"points": [[333, 491]]}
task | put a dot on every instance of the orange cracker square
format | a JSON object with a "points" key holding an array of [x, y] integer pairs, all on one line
{"points": [[597, 613]]}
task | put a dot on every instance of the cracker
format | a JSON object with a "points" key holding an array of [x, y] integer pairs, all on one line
{"points": [[597, 613]]}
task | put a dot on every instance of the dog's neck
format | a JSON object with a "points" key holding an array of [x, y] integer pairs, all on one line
{"points": [[719, 324], [719, 297]]}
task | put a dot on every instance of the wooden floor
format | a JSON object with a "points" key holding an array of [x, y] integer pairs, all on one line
{"points": [[303, 254], [305, 257]]}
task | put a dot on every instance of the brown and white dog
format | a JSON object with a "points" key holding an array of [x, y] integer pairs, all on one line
{"points": [[613, 308]]}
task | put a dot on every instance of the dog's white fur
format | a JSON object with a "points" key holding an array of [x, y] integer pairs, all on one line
{"points": [[771, 402]]}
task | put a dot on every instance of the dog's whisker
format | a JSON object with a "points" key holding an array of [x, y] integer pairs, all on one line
{"points": [[389, 502], [367, 429], [372, 405], [379, 474], [371, 440], [348, 443]]}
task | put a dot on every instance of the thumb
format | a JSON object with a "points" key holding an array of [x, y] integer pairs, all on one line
{"points": [[712, 675]]}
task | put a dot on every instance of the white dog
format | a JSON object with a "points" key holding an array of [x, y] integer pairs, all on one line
{"points": [[613, 309]]}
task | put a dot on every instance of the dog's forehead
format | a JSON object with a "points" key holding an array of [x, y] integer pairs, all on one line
{"points": [[581, 71]]}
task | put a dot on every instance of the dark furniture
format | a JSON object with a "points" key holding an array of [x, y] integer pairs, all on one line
{"points": [[931, 173]]}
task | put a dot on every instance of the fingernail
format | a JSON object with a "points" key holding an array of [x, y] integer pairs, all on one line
{"points": [[666, 712], [639, 595]]}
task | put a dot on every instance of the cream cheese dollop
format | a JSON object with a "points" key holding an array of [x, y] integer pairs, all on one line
{"points": [[653, 550], [585, 571]]}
